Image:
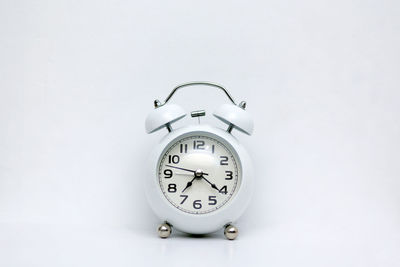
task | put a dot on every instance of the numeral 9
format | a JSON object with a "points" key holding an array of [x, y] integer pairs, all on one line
{"points": [[167, 173]]}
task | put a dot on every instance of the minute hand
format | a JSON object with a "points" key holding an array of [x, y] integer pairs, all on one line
{"points": [[183, 169], [212, 185]]}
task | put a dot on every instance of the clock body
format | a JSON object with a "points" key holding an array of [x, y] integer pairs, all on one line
{"points": [[199, 179]]}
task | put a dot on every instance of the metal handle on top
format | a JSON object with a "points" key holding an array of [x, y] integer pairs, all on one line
{"points": [[157, 103]]}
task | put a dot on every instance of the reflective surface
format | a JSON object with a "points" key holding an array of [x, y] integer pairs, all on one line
{"points": [[287, 245]]}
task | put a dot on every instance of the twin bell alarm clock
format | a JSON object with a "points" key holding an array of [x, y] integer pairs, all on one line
{"points": [[200, 177]]}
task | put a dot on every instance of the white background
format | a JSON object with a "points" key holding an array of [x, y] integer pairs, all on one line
{"points": [[321, 78]]}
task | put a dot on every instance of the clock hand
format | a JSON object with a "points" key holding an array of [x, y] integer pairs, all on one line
{"points": [[212, 185], [189, 184], [181, 173], [183, 169]]}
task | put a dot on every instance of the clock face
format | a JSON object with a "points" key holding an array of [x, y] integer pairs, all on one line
{"points": [[199, 174]]}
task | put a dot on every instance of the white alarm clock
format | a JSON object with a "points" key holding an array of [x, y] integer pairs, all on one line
{"points": [[200, 178]]}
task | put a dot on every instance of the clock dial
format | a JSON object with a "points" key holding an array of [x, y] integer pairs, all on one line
{"points": [[199, 174]]}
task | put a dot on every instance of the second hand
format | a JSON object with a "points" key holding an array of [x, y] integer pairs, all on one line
{"points": [[183, 169]]}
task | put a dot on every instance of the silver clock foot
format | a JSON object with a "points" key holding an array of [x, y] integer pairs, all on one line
{"points": [[164, 230], [231, 232]]}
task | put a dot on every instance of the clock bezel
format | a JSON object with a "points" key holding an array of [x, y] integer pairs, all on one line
{"points": [[235, 162], [207, 222]]}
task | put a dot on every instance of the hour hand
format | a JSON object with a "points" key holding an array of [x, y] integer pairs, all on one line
{"points": [[189, 184]]}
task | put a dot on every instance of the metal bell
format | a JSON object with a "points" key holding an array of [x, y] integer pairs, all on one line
{"points": [[163, 116], [236, 117]]}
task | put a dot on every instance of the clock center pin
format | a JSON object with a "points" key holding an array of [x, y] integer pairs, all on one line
{"points": [[198, 174]]}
